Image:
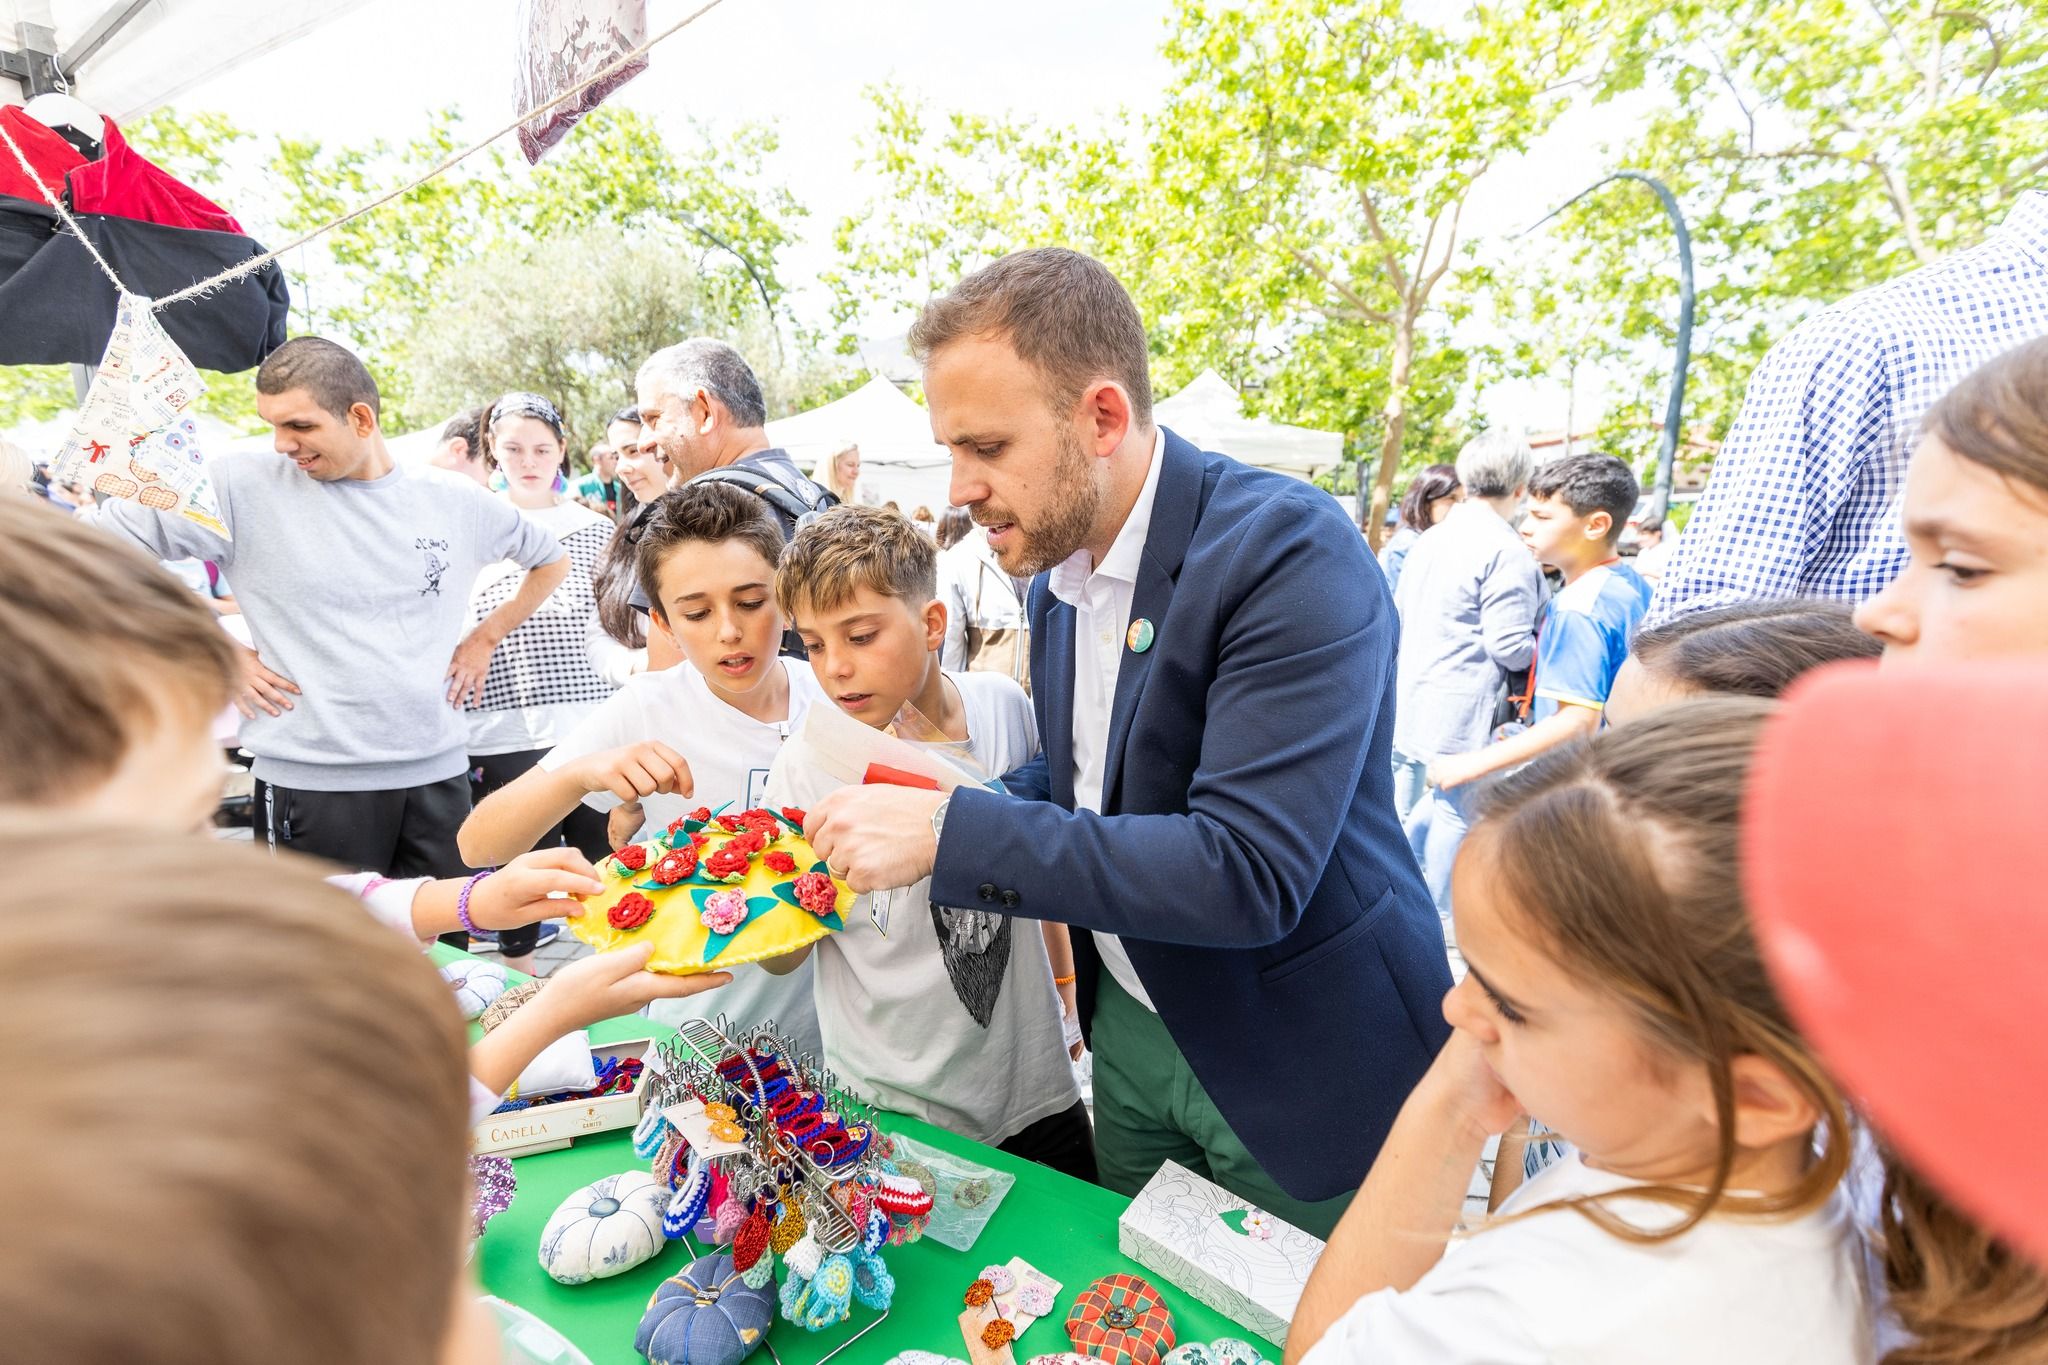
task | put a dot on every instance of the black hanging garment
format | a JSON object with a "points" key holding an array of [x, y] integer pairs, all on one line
{"points": [[56, 307]]}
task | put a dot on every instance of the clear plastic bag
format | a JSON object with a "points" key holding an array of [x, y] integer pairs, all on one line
{"points": [[964, 1195]]}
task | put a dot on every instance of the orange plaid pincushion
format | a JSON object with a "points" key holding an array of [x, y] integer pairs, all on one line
{"points": [[1121, 1320]]}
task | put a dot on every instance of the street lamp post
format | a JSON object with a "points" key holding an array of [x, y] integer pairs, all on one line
{"points": [[1667, 447]]}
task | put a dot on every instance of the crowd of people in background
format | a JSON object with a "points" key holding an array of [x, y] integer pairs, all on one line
{"points": [[1564, 735]]}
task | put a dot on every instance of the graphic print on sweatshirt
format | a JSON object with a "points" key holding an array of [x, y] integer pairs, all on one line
{"points": [[436, 566]]}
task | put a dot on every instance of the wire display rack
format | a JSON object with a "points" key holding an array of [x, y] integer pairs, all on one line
{"points": [[689, 1069]]}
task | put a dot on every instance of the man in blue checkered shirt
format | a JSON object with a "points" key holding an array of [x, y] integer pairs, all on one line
{"points": [[1804, 497]]}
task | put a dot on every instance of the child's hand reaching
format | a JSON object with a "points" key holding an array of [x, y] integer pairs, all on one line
{"points": [[523, 891], [623, 823], [606, 985], [601, 986], [632, 771]]}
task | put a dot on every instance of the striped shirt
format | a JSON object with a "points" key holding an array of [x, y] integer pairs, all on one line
{"points": [[1804, 498]]}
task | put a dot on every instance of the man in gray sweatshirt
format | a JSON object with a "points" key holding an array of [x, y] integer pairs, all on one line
{"points": [[354, 577]]}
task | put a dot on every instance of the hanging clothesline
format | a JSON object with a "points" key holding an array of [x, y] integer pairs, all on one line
{"points": [[256, 263]]}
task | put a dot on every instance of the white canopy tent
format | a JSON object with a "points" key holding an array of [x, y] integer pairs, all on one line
{"points": [[899, 461], [127, 57], [1210, 413]]}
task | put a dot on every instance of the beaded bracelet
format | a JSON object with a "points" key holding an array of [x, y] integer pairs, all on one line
{"points": [[462, 903]]}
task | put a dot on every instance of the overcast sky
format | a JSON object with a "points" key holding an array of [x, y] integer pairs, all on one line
{"points": [[802, 64]]}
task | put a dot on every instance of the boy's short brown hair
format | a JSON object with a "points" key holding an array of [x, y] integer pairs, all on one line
{"points": [[101, 644], [853, 547], [707, 512], [240, 1101], [1061, 311]]}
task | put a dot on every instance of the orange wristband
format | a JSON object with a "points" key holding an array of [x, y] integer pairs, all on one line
{"points": [[1063, 981]]}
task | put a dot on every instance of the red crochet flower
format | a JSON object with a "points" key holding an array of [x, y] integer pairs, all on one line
{"points": [[726, 861], [763, 821], [750, 1242], [731, 824], [699, 815], [753, 841], [676, 828], [795, 815], [632, 857], [815, 893], [676, 865], [780, 862], [631, 912]]}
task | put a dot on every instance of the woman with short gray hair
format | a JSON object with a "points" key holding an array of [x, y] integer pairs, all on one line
{"points": [[1468, 599]]}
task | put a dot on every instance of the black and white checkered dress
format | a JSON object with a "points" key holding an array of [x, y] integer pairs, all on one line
{"points": [[546, 661]]}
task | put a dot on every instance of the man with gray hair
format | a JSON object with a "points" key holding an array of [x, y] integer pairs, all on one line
{"points": [[1468, 598], [701, 404]]}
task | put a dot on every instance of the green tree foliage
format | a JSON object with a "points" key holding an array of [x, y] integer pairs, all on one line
{"points": [[1818, 146], [1324, 153], [709, 203], [1290, 217], [513, 326]]}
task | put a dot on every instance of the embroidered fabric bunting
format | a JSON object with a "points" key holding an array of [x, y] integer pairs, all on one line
{"points": [[135, 438]]}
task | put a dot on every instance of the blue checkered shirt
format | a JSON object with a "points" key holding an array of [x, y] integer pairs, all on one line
{"points": [[1804, 498]]}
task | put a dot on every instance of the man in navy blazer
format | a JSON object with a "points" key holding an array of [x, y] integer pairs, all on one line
{"points": [[1212, 661]]}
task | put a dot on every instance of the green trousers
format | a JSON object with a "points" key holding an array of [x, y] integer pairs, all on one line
{"points": [[1149, 1108]]}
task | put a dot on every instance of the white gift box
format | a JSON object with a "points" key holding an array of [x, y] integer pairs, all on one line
{"points": [[1207, 1242], [551, 1125]]}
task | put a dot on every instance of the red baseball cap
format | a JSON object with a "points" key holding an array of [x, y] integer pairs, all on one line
{"points": [[1895, 841]]}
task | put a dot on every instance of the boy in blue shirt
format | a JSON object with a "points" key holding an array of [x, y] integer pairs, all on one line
{"points": [[1577, 508]]}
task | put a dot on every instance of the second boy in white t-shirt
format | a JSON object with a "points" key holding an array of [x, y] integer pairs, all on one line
{"points": [[953, 1017]]}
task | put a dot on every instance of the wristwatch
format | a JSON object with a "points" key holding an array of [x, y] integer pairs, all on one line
{"points": [[939, 825]]}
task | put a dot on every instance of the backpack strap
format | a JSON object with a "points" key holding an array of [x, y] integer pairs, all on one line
{"points": [[795, 512]]}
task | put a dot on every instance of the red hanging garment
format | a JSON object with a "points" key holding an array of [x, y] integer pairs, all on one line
{"points": [[123, 183], [48, 153]]}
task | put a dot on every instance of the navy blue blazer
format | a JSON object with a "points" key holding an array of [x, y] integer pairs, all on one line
{"points": [[1247, 850]]}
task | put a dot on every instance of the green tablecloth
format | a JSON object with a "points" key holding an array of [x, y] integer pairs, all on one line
{"points": [[1062, 1226]]}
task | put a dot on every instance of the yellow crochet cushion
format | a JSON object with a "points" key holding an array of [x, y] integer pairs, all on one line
{"points": [[715, 890]]}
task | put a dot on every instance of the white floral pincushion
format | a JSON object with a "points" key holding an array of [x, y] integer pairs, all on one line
{"points": [[604, 1229]]}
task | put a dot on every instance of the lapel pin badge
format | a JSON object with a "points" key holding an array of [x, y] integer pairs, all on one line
{"points": [[1140, 636]]}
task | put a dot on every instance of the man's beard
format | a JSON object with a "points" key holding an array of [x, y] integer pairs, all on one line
{"points": [[1069, 515]]}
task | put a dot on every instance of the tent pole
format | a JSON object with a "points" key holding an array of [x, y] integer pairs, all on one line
{"points": [[103, 30]]}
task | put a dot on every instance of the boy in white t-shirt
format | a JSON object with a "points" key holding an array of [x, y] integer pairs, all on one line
{"points": [[953, 1016], [703, 733]]}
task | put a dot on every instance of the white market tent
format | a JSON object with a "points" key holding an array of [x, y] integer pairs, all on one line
{"points": [[899, 461], [1210, 413], [127, 57]]}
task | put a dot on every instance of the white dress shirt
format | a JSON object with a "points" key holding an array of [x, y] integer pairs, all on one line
{"points": [[1100, 595]]}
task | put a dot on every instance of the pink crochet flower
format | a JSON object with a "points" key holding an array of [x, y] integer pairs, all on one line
{"points": [[724, 912], [815, 893]]}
